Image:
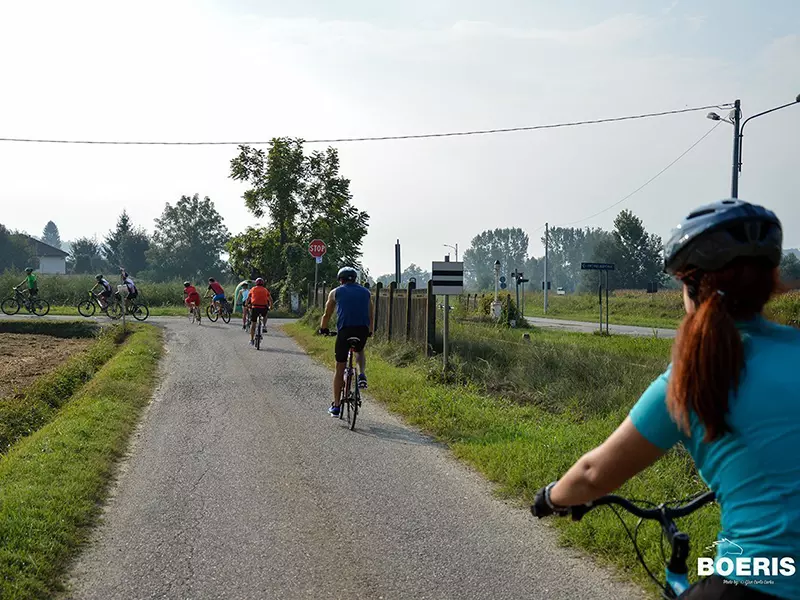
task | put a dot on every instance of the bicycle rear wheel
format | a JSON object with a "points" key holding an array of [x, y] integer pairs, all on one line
{"points": [[258, 336], [356, 401], [345, 403], [10, 306], [226, 316], [140, 312], [40, 307], [86, 308]]}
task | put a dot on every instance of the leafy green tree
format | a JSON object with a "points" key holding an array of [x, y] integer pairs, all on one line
{"points": [[51, 236], [568, 247], [412, 270], [16, 251], [790, 267], [636, 254], [188, 240], [85, 256], [126, 246], [509, 246], [305, 198]]}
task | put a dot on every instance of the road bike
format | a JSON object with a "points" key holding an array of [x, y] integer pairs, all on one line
{"points": [[213, 313], [676, 569], [351, 394], [34, 305]]}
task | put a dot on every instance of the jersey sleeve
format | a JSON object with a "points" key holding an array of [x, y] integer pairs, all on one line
{"points": [[651, 417]]}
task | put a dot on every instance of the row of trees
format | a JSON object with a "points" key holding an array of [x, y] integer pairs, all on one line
{"points": [[187, 242]]}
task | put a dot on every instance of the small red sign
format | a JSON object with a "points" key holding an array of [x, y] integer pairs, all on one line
{"points": [[317, 248]]}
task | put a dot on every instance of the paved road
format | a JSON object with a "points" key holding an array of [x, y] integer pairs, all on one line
{"points": [[238, 485], [584, 327]]}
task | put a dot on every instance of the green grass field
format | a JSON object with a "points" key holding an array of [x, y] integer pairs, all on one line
{"points": [[53, 481], [522, 413]]}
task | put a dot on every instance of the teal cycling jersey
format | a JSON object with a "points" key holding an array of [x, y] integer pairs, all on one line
{"points": [[754, 469]]}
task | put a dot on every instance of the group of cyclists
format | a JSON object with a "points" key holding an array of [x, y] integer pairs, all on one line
{"points": [[256, 301]]}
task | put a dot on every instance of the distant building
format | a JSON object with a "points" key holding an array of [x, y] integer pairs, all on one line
{"points": [[52, 260]]}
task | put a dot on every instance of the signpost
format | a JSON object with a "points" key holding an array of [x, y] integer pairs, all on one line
{"points": [[592, 266], [447, 278], [317, 249]]}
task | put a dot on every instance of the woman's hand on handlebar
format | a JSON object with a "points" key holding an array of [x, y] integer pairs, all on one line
{"points": [[543, 507]]}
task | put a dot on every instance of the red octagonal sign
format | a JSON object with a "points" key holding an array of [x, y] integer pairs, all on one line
{"points": [[317, 248]]}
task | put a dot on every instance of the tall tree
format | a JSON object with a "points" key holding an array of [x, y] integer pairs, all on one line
{"points": [[126, 246], [85, 256], [418, 273], [16, 251], [188, 240], [509, 246], [50, 235], [305, 198], [636, 254], [567, 248]]}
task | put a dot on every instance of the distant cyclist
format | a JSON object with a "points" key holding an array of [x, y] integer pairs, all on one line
{"points": [[105, 290], [217, 293], [31, 283], [731, 396], [259, 302], [192, 297], [354, 319], [245, 292]]}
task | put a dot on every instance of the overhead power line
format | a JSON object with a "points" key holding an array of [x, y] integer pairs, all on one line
{"points": [[646, 183], [378, 138]]}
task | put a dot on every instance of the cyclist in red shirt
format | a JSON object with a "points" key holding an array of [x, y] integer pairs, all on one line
{"points": [[192, 297], [218, 293]]}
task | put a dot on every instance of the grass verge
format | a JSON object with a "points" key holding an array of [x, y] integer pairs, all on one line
{"points": [[578, 388], [53, 481]]}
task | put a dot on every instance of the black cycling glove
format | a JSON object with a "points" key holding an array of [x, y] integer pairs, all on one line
{"points": [[543, 507]]}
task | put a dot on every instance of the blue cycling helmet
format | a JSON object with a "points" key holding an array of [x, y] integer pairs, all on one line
{"points": [[347, 274], [715, 234]]}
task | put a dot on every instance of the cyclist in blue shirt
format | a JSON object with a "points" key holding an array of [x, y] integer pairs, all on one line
{"points": [[731, 396], [355, 313]]}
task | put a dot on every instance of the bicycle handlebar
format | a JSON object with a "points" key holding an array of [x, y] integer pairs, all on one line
{"points": [[656, 514]]}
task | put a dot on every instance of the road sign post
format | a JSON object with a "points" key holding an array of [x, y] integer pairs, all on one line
{"points": [[591, 266], [317, 248], [447, 278]]}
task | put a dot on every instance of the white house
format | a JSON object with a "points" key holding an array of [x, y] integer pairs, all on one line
{"points": [[51, 259]]}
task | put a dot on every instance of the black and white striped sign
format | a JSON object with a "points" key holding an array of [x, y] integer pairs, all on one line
{"points": [[447, 278]]}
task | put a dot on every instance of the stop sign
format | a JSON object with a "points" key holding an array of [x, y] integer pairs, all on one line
{"points": [[317, 248]]}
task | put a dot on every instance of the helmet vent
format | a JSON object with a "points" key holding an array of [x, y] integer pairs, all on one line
{"points": [[700, 213]]}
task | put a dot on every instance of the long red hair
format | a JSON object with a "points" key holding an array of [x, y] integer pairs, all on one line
{"points": [[708, 354]]}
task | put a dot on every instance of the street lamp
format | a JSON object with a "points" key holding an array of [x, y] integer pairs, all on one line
{"points": [[454, 248], [496, 306], [738, 136]]}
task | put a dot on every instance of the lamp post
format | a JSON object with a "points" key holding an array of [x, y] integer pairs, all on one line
{"points": [[497, 307], [454, 248], [734, 118]]}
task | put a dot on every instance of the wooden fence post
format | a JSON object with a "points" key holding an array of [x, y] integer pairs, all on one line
{"points": [[390, 308], [430, 325], [411, 287], [378, 305]]}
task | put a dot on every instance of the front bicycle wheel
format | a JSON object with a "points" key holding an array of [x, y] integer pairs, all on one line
{"points": [[86, 308], [40, 307], [140, 312], [211, 313], [10, 306], [114, 311]]}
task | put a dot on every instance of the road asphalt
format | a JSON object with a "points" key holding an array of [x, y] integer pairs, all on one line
{"points": [[238, 485]]}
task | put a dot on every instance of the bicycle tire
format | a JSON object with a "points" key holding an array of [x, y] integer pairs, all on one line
{"points": [[226, 316], [40, 307], [346, 396], [10, 306], [114, 311], [87, 308], [356, 402], [258, 336], [140, 312], [212, 314]]}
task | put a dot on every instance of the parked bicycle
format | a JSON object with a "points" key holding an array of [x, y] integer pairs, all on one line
{"points": [[677, 571], [13, 304], [213, 313]]}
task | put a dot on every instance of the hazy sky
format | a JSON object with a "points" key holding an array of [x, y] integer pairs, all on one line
{"points": [[251, 70]]}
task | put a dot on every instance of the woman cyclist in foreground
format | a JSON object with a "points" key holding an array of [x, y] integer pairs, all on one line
{"points": [[731, 395]]}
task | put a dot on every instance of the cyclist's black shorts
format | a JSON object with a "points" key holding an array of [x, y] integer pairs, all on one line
{"points": [[106, 293], [362, 333], [258, 311], [33, 291], [716, 587]]}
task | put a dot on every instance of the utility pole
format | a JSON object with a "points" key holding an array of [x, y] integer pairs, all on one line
{"points": [[737, 137], [546, 244], [397, 263]]}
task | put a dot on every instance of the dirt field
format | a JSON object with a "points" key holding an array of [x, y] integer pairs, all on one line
{"points": [[24, 357]]}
